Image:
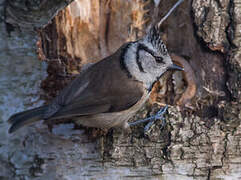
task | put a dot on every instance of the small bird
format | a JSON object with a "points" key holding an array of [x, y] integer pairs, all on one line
{"points": [[108, 93]]}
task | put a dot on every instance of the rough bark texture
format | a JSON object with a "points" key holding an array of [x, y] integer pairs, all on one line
{"points": [[203, 135], [29, 14]]}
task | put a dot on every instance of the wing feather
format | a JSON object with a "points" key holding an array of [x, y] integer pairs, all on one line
{"points": [[103, 87]]}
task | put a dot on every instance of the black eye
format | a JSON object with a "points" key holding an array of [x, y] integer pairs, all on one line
{"points": [[159, 59]]}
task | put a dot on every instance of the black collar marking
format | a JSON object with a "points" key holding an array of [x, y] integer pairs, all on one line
{"points": [[122, 61]]}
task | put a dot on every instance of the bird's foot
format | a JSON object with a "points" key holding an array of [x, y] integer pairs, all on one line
{"points": [[152, 119]]}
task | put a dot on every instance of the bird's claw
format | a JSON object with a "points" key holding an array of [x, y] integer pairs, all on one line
{"points": [[152, 119], [157, 116]]}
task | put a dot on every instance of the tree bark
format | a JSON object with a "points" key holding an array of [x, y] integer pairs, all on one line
{"points": [[203, 134]]}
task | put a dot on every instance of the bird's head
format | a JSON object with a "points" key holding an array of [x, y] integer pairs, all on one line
{"points": [[147, 59]]}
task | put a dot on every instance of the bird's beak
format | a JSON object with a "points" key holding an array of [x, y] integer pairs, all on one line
{"points": [[175, 67]]}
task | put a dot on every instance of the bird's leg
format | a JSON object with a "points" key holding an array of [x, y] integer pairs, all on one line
{"points": [[152, 119]]}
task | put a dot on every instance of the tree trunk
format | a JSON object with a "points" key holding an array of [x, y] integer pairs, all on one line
{"points": [[202, 136]]}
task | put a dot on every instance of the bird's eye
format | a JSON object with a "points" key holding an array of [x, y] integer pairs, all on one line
{"points": [[159, 59]]}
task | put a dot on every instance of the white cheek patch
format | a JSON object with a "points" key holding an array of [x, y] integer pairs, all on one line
{"points": [[146, 59], [130, 60]]}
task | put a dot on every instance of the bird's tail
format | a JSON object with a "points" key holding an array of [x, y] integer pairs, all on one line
{"points": [[26, 117]]}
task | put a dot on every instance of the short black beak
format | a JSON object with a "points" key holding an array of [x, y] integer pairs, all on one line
{"points": [[175, 67]]}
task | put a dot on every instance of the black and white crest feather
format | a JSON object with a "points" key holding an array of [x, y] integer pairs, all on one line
{"points": [[154, 37]]}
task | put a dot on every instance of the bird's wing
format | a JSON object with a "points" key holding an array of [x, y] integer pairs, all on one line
{"points": [[103, 87]]}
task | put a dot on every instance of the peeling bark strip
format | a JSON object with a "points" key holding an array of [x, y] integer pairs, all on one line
{"points": [[91, 30], [190, 79]]}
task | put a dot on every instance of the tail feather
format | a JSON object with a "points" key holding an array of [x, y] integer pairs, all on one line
{"points": [[26, 117]]}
